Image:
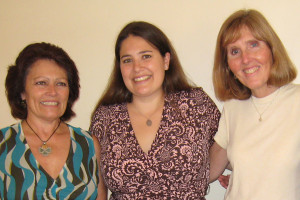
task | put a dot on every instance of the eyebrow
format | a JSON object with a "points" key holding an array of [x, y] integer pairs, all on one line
{"points": [[141, 52], [44, 77]]}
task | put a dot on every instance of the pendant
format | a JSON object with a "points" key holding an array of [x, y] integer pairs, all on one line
{"points": [[45, 150], [149, 122], [260, 119]]}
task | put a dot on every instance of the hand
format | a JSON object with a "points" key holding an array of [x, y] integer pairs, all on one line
{"points": [[224, 180]]}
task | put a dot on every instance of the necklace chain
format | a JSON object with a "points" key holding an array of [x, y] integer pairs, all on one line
{"points": [[149, 121], [266, 108], [45, 150]]}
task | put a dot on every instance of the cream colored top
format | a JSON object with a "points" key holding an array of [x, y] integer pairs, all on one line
{"points": [[265, 155]]}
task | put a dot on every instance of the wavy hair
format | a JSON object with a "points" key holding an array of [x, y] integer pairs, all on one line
{"points": [[17, 74]]}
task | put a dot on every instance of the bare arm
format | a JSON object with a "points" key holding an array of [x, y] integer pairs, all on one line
{"points": [[102, 189], [218, 161]]}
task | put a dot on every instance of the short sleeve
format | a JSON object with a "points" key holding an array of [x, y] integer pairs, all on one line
{"points": [[222, 135], [98, 122], [209, 114]]}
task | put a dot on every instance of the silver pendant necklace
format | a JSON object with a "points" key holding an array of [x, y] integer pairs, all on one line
{"points": [[149, 121], [266, 108], [45, 150]]}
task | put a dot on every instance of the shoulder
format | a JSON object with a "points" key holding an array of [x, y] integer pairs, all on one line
{"points": [[79, 131], [108, 110], [106, 116], [290, 94], [291, 88], [196, 98], [14, 127], [193, 93], [10, 133]]}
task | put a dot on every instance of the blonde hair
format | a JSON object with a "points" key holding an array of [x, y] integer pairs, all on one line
{"points": [[282, 71]]}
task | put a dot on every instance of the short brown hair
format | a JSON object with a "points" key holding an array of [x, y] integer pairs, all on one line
{"points": [[282, 72], [175, 78], [17, 73]]}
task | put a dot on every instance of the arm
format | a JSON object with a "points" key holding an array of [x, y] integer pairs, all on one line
{"points": [[218, 161], [102, 189]]}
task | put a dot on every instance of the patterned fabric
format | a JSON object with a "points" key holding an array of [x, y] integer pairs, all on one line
{"points": [[21, 176], [176, 166]]}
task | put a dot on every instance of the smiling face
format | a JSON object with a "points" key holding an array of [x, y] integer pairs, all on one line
{"points": [[251, 60], [142, 67], [46, 91]]}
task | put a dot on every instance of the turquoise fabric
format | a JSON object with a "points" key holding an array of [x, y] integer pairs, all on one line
{"points": [[21, 176]]}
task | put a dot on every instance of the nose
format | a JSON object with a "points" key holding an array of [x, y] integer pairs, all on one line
{"points": [[136, 65], [245, 56], [52, 90]]}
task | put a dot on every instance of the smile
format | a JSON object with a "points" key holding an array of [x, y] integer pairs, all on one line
{"points": [[251, 70], [142, 78], [51, 103]]}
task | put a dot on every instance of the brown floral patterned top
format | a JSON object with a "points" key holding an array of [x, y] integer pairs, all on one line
{"points": [[176, 166]]}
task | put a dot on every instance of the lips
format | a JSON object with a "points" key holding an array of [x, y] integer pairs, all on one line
{"points": [[251, 70], [142, 78]]}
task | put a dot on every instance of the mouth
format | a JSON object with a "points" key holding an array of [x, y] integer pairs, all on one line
{"points": [[251, 70], [49, 103], [142, 78]]}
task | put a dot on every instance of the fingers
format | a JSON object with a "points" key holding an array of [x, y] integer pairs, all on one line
{"points": [[224, 180]]}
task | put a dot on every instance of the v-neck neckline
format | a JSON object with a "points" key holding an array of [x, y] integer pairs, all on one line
{"points": [[39, 166], [157, 134]]}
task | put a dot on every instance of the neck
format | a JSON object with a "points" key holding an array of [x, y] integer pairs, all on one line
{"points": [[148, 105], [264, 92], [43, 127]]}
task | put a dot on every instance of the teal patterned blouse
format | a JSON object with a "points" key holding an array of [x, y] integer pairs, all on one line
{"points": [[21, 176]]}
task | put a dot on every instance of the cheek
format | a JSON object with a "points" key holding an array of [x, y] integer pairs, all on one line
{"points": [[268, 60], [124, 72], [234, 65], [67, 95]]}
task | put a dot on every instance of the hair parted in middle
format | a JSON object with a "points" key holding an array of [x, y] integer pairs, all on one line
{"points": [[175, 78], [282, 71]]}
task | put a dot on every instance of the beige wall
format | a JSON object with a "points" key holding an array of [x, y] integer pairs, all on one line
{"points": [[87, 31]]}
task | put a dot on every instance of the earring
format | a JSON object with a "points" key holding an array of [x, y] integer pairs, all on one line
{"points": [[23, 103]]}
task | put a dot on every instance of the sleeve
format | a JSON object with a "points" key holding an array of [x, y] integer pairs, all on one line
{"points": [[98, 123], [210, 114], [213, 119], [222, 135]]}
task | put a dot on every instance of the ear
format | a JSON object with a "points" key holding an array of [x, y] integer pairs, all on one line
{"points": [[23, 96], [167, 61]]}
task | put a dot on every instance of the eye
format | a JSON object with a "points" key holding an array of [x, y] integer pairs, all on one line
{"points": [[40, 83], [146, 56], [126, 60], [254, 44], [62, 84], [234, 51]]}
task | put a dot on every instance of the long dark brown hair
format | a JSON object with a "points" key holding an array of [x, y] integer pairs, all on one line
{"points": [[175, 78]]}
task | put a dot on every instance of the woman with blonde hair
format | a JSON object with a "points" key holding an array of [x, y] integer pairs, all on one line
{"points": [[259, 130]]}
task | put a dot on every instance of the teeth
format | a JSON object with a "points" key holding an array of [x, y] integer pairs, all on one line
{"points": [[142, 78], [251, 70], [50, 103]]}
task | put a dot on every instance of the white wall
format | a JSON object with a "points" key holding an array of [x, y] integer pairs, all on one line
{"points": [[87, 31]]}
